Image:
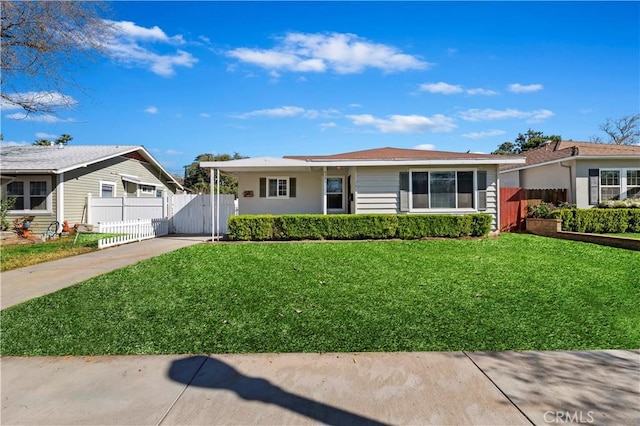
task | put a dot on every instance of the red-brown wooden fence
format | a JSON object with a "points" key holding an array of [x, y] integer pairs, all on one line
{"points": [[514, 202]]}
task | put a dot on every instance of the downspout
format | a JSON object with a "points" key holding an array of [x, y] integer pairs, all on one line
{"points": [[570, 198], [218, 205], [324, 190], [213, 210], [60, 202]]}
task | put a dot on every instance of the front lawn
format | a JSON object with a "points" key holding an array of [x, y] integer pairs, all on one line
{"points": [[14, 256], [515, 292]]}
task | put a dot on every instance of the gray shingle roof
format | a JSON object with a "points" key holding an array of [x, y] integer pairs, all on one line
{"points": [[24, 158]]}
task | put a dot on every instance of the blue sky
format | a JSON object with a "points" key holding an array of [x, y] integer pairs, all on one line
{"points": [[293, 78]]}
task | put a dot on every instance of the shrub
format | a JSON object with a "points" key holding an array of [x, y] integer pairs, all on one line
{"points": [[356, 227], [598, 220], [629, 203], [251, 227], [541, 211]]}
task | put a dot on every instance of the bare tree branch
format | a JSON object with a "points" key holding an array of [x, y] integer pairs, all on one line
{"points": [[42, 44], [624, 130]]}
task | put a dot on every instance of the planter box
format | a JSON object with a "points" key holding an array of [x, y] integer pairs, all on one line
{"points": [[543, 226]]}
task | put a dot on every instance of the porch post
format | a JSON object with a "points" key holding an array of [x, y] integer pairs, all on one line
{"points": [[212, 196], [60, 202], [218, 205], [324, 190]]}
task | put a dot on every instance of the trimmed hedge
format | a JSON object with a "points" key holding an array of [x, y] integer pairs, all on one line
{"points": [[356, 227], [598, 221]]}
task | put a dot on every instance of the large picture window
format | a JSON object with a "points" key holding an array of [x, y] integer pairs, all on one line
{"points": [[29, 195], [609, 185], [442, 190], [633, 183]]}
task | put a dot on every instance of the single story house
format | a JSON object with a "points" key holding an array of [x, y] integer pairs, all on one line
{"points": [[52, 183], [590, 172], [385, 180]]}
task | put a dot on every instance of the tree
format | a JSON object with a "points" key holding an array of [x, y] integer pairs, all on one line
{"points": [[42, 43], [622, 131], [64, 139], [525, 142], [198, 179]]}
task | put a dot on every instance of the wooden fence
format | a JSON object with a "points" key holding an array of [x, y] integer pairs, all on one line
{"points": [[514, 202], [132, 230]]}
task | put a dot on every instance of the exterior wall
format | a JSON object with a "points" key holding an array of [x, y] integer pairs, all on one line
{"points": [[42, 219], [551, 176], [308, 197], [80, 182], [510, 179], [582, 175]]}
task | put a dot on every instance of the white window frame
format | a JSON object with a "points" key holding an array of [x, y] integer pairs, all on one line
{"points": [[278, 179], [619, 185], [447, 209], [343, 208], [141, 189], [26, 186], [627, 185], [105, 182]]}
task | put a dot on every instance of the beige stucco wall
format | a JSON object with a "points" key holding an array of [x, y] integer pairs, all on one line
{"points": [[582, 175], [551, 176], [510, 179]]}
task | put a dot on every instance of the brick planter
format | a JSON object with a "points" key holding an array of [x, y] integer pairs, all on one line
{"points": [[543, 226]]}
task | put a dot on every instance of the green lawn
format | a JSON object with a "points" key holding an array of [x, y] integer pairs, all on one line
{"points": [[627, 234], [14, 256], [515, 292]]}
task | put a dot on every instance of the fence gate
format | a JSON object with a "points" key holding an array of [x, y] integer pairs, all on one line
{"points": [[514, 202], [191, 214]]}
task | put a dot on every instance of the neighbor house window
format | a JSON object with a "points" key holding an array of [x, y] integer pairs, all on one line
{"points": [[107, 189], [609, 185], [147, 189], [633, 183], [29, 195], [442, 190]]}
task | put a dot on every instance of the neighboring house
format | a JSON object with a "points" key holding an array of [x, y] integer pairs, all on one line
{"points": [[52, 182], [385, 180], [590, 172]]}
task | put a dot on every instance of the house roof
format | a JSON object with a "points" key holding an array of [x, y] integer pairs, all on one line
{"points": [[21, 159], [558, 151], [372, 157]]}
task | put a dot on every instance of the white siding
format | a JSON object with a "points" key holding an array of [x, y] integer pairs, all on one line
{"points": [[378, 189]]}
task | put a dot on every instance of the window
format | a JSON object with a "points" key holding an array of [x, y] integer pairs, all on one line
{"points": [[147, 189], [107, 189], [633, 183], [609, 185], [277, 187], [30, 195], [443, 189], [335, 193]]}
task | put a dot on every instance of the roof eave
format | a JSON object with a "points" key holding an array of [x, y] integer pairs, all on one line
{"points": [[577, 157]]}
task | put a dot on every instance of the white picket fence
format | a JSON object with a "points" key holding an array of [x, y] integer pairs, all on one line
{"points": [[132, 230]]}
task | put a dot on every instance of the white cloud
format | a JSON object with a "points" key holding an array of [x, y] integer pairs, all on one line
{"points": [[481, 91], [492, 114], [425, 147], [355, 106], [131, 45], [405, 123], [151, 110], [483, 134], [205, 115], [42, 118], [172, 152], [288, 111], [42, 135], [524, 88], [38, 99], [325, 126], [442, 88], [336, 52]]}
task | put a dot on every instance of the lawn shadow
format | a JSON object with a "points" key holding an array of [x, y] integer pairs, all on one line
{"points": [[215, 374]]}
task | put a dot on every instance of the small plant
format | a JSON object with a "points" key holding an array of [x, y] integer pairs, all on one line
{"points": [[6, 204], [540, 211]]}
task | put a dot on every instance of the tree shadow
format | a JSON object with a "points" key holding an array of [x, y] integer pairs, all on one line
{"points": [[215, 374]]}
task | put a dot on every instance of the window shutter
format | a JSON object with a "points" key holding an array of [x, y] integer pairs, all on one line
{"points": [[292, 187], [404, 191], [594, 186], [263, 187], [482, 190]]}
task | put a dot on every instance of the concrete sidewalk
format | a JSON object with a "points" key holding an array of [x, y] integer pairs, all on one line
{"points": [[22, 284], [599, 387]]}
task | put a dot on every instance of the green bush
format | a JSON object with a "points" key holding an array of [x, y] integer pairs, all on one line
{"points": [[251, 227], [598, 220], [356, 227]]}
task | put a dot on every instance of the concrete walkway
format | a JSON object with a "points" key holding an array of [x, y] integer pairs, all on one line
{"points": [[22, 284], [423, 388]]}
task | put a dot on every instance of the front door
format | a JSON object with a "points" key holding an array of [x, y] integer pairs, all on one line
{"points": [[335, 194]]}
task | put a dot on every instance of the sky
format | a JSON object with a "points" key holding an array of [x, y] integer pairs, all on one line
{"points": [[297, 78]]}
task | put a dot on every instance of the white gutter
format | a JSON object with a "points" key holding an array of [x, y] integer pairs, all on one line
{"points": [[577, 157]]}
